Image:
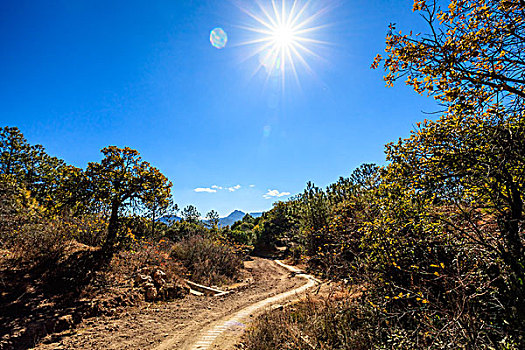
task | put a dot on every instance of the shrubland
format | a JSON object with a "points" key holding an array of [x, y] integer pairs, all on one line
{"points": [[436, 236], [433, 240], [78, 242]]}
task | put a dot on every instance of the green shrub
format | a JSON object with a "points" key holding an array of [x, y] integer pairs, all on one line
{"points": [[241, 237], [184, 230]]}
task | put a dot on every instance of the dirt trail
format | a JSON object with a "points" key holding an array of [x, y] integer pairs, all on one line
{"points": [[224, 333], [195, 322]]}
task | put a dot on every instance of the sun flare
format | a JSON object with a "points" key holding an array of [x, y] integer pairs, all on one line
{"points": [[285, 35]]}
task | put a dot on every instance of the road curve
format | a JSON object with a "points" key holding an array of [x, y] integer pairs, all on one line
{"points": [[225, 332]]}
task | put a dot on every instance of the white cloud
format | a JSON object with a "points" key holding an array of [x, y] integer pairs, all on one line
{"points": [[275, 193], [205, 189], [216, 188], [234, 188], [252, 185]]}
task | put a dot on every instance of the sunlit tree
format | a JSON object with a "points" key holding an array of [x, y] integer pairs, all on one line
{"points": [[39, 172], [471, 58], [471, 161], [123, 179]]}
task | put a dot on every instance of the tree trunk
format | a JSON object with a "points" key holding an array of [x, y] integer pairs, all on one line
{"points": [[515, 258], [153, 221], [112, 227]]}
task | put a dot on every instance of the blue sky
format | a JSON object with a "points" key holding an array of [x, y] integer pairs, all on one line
{"points": [[78, 75]]}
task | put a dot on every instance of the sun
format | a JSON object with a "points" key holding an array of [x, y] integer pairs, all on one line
{"points": [[285, 35]]}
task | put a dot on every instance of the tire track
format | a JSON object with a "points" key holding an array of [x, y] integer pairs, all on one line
{"points": [[223, 333]]}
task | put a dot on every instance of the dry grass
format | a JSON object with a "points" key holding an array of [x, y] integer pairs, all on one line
{"points": [[335, 321], [208, 261]]}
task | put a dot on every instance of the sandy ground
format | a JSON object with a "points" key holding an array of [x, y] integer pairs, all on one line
{"points": [[182, 324]]}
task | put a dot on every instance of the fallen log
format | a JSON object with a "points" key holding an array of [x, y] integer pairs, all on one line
{"points": [[206, 290]]}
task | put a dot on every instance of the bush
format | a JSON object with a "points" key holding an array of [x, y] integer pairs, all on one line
{"points": [[208, 261], [184, 230], [24, 229], [89, 230], [241, 237], [144, 253]]}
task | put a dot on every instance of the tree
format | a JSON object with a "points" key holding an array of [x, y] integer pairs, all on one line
{"points": [[475, 171], [473, 57], [71, 192], [247, 218], [13, 147], [470, 162], [157, 199], [275, 224], [30, 165], [122, 179], [315, 206], [191, 214], [17, 208], [213, 218]]}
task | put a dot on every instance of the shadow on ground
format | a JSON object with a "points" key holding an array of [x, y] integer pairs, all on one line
{"points": [[48, 297]]}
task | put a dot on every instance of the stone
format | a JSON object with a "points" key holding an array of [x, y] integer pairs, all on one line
{"points": [[159, 277], [63, 322], [174, 291], [151, 292], [141, 279]]}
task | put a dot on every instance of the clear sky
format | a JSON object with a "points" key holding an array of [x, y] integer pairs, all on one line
{"points": [[78, 75]]}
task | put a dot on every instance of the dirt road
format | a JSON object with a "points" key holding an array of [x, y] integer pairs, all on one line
{"points": [[195, 322]]}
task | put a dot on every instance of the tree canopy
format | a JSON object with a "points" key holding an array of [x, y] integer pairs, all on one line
{"points": [[121, 180], [473, 56]]}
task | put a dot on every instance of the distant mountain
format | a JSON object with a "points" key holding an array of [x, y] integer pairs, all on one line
{"points": [[234, 216], [229, 220]]}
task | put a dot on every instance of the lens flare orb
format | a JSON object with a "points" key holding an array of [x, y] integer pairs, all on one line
{"points": [[218, 38]]}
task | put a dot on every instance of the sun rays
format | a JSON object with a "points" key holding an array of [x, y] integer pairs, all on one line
{"points": [[284, 36]]}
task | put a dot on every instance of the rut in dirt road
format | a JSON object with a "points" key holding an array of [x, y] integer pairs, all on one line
{"points": [[180, 323], [225, 333]]}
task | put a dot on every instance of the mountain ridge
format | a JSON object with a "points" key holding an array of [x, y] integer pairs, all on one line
{"points": [[234, 216], [229, 220]]}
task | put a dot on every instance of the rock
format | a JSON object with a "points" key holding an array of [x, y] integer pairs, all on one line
{"points": [[63, 322], [151, 292], [155, 286], [175, 291], [277, 307], [142, 279], [159, 277]]}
